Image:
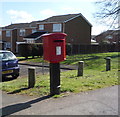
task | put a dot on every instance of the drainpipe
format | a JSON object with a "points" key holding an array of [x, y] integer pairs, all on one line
{"points": [[11, 40], [63, 27]]}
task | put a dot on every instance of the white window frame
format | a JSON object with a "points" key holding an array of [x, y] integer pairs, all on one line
{"points": [[22, 32], [34, 30], [30, 40], [8, 33], [109, 37], [57, 27], [7, 45], [41, 27]]}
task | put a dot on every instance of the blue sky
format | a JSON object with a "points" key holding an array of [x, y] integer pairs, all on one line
{"points": [[22, 11]]}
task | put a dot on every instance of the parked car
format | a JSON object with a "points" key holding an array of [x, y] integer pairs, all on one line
{"points": [[9, 64]]}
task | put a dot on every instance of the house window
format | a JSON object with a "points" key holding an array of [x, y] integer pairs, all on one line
{"points": [[41, 27], [33, 30], [7, 45], [22, 32], [30, 41], [8, 33], [109, 37], [57, 27]]}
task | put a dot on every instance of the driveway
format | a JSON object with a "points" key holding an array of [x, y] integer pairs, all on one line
{"points": [[99, 102]]}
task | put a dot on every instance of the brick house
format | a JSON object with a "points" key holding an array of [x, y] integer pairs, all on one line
{"points": [[13, 34], [110, 37], [76, 26]]}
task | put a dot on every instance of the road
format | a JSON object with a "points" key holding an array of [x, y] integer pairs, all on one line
{"points": [[39, 70], [24, 72], [99, 102]]}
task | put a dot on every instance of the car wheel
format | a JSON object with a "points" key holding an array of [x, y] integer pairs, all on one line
{"points": [[15, 76], [3, 78]]}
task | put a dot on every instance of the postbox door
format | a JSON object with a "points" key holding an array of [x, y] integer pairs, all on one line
{"points": [[58, 51]]}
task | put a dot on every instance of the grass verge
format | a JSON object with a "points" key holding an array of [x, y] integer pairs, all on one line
{"points": [[69, 83]]}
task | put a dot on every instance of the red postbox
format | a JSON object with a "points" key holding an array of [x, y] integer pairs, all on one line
{"points": [[54, 47]]}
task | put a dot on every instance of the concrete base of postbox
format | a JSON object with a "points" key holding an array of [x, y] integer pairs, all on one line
{"points": [[54, 78]]}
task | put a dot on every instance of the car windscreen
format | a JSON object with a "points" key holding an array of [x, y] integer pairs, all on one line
{"points": [[6, 56]]}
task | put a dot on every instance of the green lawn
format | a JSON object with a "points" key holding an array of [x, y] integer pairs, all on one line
{"points": [[91, 61], [94, 77]]}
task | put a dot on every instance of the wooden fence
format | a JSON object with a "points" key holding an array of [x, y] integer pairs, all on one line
{"points": [[87, 49]]}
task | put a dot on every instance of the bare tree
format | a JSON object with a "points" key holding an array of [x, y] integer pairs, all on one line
{"points": [[108, 12]]}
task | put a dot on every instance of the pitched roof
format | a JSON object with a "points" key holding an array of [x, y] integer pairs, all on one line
{"points": [[34, 23], [22, 25], [109, 32], [19, 25], [60, 18], [64, 18]]}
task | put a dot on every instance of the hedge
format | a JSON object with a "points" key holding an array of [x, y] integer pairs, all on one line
{"points": [[36, 49]]}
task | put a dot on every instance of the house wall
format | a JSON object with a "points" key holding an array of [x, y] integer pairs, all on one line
{"points": [[28, 31], [14, 40], [4, 38], [48, 27], [78, 31], [19, 38]]}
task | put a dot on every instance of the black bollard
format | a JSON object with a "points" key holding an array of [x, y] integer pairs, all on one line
{"points": [[108, 64], [54, 78], [31, 77]]}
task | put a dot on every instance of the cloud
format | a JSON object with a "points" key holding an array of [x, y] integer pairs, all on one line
{"points": [[20, 16]]}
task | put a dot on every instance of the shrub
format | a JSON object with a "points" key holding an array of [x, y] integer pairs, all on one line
{"points": [[26, 50]]}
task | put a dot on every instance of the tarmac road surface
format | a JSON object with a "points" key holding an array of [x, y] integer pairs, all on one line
{"points": [[38, 69], [98, 102]]}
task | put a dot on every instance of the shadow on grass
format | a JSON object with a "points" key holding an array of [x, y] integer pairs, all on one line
{"points": [[19, 90], [69, 61], [115, 56]]}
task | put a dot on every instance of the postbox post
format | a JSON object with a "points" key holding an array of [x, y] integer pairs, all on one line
{"points": [[54, 78]]}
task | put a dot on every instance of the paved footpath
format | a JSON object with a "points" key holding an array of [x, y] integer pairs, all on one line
{"points": [[99, 102]]}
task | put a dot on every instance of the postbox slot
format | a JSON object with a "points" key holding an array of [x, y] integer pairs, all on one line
{"points": [[58, 40]]}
